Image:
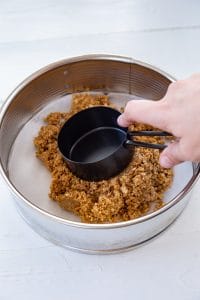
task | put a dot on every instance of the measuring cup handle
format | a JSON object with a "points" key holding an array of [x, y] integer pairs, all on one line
{"points": [[148, 133], [130, 143]]}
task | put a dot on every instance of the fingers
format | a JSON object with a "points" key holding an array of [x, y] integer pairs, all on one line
{"points": [[156, 114], [145, 111], [171, 156]]}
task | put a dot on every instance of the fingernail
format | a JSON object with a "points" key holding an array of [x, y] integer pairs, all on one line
{"points": [[166, 162], [119, 120]]}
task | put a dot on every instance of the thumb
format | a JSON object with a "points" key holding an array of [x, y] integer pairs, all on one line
{"points": [[171, 156], [149, 112]]}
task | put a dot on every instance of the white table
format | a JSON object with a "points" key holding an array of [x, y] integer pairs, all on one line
{"points": [[35, 33]]}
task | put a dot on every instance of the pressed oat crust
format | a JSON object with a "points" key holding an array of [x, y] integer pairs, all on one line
{"points": [[134, 192]]}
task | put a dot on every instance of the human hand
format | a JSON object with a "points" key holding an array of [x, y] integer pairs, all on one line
{"points": [[178, 112]]}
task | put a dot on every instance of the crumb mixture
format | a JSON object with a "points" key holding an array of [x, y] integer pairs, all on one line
{"points": [[136, 191]]}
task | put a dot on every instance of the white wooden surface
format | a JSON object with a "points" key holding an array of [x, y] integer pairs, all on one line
{"points": [[35, 33]]}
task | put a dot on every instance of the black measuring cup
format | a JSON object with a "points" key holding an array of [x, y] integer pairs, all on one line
{"points": [[95, 147]]}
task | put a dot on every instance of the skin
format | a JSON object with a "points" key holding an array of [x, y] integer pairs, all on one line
{"points": [[178, 112]]}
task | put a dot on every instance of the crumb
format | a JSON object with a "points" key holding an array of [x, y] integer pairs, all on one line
{"points": [[136, 191]]}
